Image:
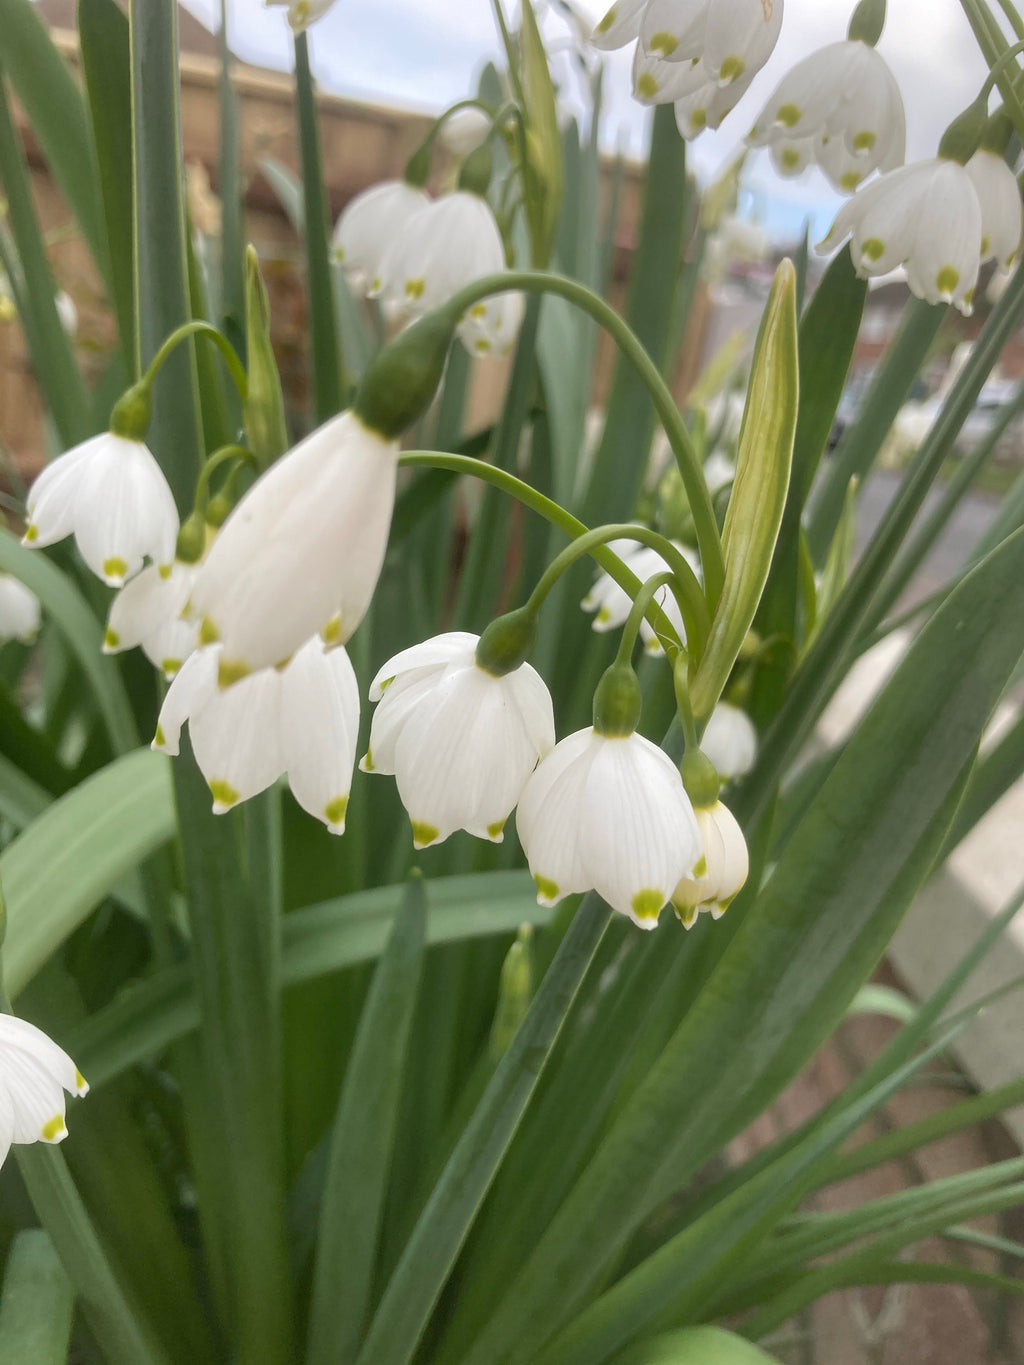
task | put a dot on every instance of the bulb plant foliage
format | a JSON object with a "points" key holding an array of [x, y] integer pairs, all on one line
{"points": [[423, 1092]]}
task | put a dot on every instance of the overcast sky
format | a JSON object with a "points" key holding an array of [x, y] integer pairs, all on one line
{"points": [[425, 54]]}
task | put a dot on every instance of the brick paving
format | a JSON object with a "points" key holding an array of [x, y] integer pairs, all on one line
{"points": [[918, 1324]]}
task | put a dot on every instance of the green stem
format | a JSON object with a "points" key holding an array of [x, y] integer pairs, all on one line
{"points": [[319, 286], [213, 463], [200, 328], [993, 45], [640, 608], [1016, 23], [998, 67], [536, 281], [552, 512], [691, 599]]}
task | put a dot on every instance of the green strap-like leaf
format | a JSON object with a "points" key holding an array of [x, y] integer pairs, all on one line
{"points": [[106, 65], [795, 962], [57, 113], [56, 871], [37, 1303], [317, 940], [361, 1145]]}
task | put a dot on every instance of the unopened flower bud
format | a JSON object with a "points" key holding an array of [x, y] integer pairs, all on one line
{"points": [[401, 382], [263, 409], [617, 702]]}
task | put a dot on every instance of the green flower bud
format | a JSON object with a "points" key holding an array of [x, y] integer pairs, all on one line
{"points": [[477, 169], [961, 139], [515, 991], [507, 642], [867, 22], [700, 778], [263, 408], [401, 382], [218, 509], [133, 412], [192, 539], [618, 702]]}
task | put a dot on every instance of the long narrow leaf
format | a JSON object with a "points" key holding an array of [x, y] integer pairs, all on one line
{"points": [[36, 1303]]}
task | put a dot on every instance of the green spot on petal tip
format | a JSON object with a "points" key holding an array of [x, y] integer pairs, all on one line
{"points": [[424, 833], [335, 812], [53, 1128], [115, 568], [547, 890], [223, 793], [230, 671], [647, 904]]}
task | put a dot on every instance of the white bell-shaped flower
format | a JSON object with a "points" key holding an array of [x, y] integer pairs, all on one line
{"points": [[490, 327], [443, 247], [840, 106], [368, 226], [608, 813], [301, 13], [999, 196], [148, 611], [460, 742], [463, 131], [302, 720], [730, 741], [34, 1074], [612, 604], [302, 551], [730, 40], [20, 613], [110, 493], [925, 216], [708, 107], [722, 870]]}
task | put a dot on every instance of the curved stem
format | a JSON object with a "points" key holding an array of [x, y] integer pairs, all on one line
{"points": [[691, 598], [535, 281], [992, 79], [574, 529], [219, 457], [200, 328], [637, 612]]}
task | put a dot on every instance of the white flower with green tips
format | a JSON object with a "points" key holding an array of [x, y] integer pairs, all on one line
{"points": [[611, 604], [609, 814], [443, 247], [302, 551], [20, 613], [999, 196], [111, 495], [720, 873], [841, 107], [367, 227], [302, 721], [730, 741], [926, 217], [148, 611], [34, 1074], [460, 742]]}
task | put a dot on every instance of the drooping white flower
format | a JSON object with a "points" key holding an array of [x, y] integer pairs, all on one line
{"points": [[463, 131], [722, 870], [302, 720], [367, 227], [730, 741], [445, 245], [999, 196], [490, 327], [840, 106], [148, 611], [460, 742], [301, 13], [612, 604], [110, 493], [34, 1074], [700, 55], [20, 613], [609, 814], [925, 216], [302, 550]]}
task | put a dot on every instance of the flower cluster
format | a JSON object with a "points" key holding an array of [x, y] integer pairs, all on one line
{"points": [[700, 55], [611, 604], [412, 252]]}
